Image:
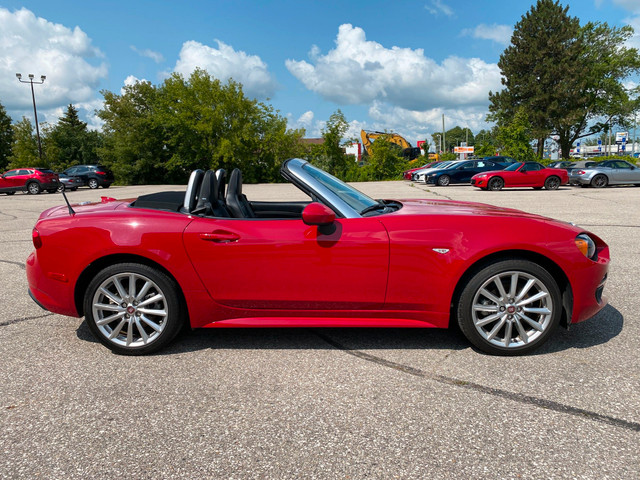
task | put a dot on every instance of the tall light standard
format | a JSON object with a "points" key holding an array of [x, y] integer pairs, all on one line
{"points": [[33, 96]]}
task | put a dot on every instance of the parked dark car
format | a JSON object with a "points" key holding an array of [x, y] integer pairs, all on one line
{"points": [[561, 164], [460, 172], [502, 159], [93, 176], [69, 183], [32, 180]]}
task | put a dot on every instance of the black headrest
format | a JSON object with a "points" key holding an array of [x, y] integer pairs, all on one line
{"points": [[235, 182], [208, 194], [221, 177]]}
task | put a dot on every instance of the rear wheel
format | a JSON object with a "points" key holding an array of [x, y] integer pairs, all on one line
{"points": [[133, 309], [61, 188], [34, 188], [552, 183], [510, 307], [444, 180], [599, 181], [93, 183], [496, 183]]}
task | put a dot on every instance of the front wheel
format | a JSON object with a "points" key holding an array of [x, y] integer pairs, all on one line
{"points": [[552, 183], [495, 184], [34, 188], [444, 180], [133, 309], [510, 307], [93, 183]]}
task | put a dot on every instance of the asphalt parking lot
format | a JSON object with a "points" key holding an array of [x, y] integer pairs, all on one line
{"points": [[334, 403]]}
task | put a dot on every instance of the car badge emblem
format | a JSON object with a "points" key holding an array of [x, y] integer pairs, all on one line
{"points": [[441, 250]]}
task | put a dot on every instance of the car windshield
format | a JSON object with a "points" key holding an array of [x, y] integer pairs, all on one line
{"points": [[352, 197], [513, 167]]}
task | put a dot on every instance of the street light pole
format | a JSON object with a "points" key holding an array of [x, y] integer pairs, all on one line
{"points": [[33, 96]]}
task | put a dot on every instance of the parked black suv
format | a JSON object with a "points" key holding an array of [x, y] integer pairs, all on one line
{"points": [[93, 176]]}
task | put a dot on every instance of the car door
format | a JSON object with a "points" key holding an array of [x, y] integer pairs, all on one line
{"points": [[533, 175], [464, 172], [8, 180], [286, 264]]}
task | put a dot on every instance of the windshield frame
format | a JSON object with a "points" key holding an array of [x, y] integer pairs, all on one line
{"points": [[513, 167], [321, 186]]}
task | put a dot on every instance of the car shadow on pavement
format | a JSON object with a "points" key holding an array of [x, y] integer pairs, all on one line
{"points": [[598, 330], [604, 326]]}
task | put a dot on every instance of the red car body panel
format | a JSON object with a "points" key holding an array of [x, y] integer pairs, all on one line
{"points": [[395, 270], [520, 179]]}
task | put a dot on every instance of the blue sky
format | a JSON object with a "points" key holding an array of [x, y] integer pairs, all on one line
{"points": [[395, 66]]}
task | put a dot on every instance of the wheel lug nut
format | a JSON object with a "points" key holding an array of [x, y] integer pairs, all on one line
{"points": [[502, 309], [123, 305], [510, 317]]}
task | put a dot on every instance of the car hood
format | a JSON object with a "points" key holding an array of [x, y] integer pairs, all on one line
{"points": [[452, 207]]}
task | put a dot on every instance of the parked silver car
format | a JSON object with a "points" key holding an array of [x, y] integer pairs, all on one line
{"points": [[609, 172]]}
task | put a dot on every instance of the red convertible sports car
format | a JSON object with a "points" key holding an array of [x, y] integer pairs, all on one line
{"points": [[139, 270], [522, 174]]}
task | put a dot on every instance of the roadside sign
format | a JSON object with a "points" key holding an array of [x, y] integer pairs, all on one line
{"points": [[463, 149]]}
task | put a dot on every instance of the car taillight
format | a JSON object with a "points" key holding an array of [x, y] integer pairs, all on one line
{"points": [[99, 172], [35, 236], [580, 172]]}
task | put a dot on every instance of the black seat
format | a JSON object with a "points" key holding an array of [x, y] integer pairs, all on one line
{"points": [[209, 198], [237, 203]]}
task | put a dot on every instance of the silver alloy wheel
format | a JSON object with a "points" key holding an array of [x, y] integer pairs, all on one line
{"points": [[599, 181], [552, 183], [93, 183], [512, 309], [444, 180], [130, 310], [33, 188]]}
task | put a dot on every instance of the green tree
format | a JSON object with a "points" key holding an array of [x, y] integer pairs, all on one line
{"points": [[6, 138], [515, 138], [159, 134], [69, 142], [386, 160], [24, 150], [333, 158], [569, 78]]}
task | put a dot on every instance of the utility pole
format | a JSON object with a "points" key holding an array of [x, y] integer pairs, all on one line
{"points": [[444, 142], [35, 112]]}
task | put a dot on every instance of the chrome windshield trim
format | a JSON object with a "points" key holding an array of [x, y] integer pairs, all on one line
{"points": [[310, 185]]}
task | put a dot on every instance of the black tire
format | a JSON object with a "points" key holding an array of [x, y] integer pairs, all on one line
{"points": [[552, 183], [132, 318], [599, 181], [444, 180], [61, 188], [495, 184], [481, 300], [92, 183], [33, 188]]}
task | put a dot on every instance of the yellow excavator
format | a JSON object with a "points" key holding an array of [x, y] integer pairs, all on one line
{"points": [[409, 152]]}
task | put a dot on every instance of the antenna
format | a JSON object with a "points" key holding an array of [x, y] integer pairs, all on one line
{"points": [[71, 210]]}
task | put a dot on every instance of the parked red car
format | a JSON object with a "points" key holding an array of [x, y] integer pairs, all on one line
{"points": [[521, 174], [138, 270], [32, 180], [407, 174]]}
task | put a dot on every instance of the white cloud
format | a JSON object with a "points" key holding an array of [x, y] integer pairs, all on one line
{"points": [[436, 7], [155, 56], [630, 5], [359, 71], [223, 63], [30, 44], [500, 34]]}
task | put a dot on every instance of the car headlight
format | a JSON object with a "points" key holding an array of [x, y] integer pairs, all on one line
{"points": [[586, 245]]}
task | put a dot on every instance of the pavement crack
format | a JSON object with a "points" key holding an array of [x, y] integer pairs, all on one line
{"points": [[24, 319], [20, 264], [497, 392]]}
